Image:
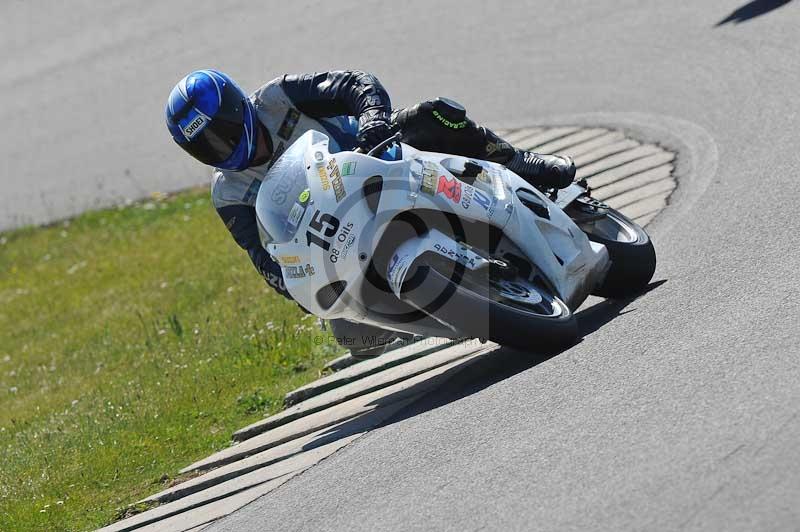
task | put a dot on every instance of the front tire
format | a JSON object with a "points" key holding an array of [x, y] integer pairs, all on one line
{"points": [[506, 311], [633, 257]]}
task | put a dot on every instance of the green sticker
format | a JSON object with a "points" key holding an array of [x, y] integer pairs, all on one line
{"points": [[304, 195], [348, 168]]}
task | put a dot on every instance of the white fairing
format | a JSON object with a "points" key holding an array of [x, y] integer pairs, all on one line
{"points": [[330, 233], [434, 241]]}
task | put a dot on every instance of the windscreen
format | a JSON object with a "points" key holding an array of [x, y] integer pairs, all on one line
{"points": [[283, 196]]}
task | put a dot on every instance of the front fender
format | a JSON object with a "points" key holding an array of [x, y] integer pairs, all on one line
{"points": [[433, 241]]}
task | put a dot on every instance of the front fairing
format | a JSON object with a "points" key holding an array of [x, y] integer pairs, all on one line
{"points": [[336, 232]]}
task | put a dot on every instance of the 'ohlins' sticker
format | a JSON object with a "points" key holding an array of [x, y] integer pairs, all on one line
{"points": [[289, 123], [336, 180], [493, 147]]}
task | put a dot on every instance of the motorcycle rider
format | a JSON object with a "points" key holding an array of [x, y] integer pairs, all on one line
{"points": [[217, 123]]}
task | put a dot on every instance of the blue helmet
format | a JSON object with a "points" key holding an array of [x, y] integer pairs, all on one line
{"points": [[211, 118]]}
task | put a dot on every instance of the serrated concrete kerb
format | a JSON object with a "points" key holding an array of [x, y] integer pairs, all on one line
{"points": [[325, 418], [359, 387], [366, 368]]}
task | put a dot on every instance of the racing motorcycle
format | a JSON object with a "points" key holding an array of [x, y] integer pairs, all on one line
{"points": [[441, 245]]}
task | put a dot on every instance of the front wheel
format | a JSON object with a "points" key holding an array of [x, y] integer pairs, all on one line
{"points": [[509, 310], [633, 257]]}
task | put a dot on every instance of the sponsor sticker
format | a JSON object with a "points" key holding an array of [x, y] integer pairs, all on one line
{"points": [[428, 180], [298, 272], [344, 241], [323, 178], [493, 147], [195, 126], [485, 201], [296, 214], [396, 271], [336, 180], [466, 196], [462, 258], [287, 259], [451, 188], [338, 188], [304, 195], [348, 168]]}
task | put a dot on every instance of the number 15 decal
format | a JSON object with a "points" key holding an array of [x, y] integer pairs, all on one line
{"points": [[324, 224]]}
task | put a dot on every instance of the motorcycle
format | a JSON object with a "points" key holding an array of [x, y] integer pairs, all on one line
{"points": [[441, 245]]}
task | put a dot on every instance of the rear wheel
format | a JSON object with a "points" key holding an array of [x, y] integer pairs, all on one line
{"points": [[633, 257], [505, 308]]}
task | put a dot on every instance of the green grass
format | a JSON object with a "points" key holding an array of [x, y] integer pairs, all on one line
{"points": [[133, 341]]}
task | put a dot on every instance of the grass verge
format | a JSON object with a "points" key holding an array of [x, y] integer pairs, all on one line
{"points": [[133, 341]]}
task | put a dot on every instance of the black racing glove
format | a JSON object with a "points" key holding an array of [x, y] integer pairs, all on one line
{"points": [[373, 128]]}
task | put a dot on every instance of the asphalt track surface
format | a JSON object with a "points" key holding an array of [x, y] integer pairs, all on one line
{"points": [[678, 410]]}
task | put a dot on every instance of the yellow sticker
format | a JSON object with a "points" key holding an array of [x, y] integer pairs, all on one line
{"points": [[288, 259], [304, 195], [323, 178]]}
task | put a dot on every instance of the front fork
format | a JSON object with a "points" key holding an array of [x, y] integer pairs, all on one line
{"points": [[576, 200]]}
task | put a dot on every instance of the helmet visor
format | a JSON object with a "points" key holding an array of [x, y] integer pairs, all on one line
{"points": [[217, 137]]}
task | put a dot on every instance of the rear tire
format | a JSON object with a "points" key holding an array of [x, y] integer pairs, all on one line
{"points": [[633, 257], [480, 310]]}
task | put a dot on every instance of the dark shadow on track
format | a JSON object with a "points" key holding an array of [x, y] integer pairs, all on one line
{"points": [[594, 317], [497, 366], [753, 9]]}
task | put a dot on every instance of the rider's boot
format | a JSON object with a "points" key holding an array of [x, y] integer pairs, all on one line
{"points": [[548, 171], [442, 125]]}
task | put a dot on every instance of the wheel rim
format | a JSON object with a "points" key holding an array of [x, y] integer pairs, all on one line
{"points": [[507, 288], [612, 227], [519, 294], [526, 296]]}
